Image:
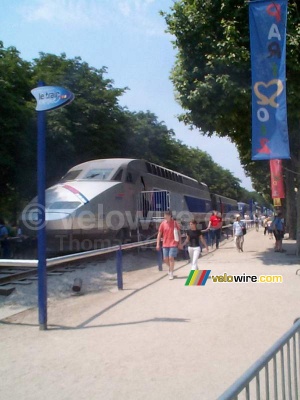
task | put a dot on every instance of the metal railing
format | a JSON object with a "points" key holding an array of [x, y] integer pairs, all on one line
{"points": [[73, 257], [276, 375], [153, 203]]}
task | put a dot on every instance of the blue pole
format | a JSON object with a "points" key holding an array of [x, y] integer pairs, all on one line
{"points": [[159, 259], [251, 209], [119, 269], [42, 274]]}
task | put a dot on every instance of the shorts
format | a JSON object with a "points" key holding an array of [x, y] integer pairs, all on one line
{"points": [[279, 235], [170, 252]]}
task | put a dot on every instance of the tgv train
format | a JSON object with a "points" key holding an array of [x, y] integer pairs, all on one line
{"points": [[106, 199]]}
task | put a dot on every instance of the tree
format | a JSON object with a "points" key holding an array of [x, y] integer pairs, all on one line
{"points": [[91, 126], [212, 74], [15, 114]]}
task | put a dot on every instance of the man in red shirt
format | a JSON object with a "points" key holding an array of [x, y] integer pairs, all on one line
{"points": [[215, 226], [166, 231]]}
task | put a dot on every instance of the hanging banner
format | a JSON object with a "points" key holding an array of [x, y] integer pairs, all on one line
{"points": [[277, 186], [277, 202], [268, 52]]}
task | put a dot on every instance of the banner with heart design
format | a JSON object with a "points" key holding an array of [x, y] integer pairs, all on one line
{"points": [[268, 53]]}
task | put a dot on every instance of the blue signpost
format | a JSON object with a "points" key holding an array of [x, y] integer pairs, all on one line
{"points": [[48, 98]]}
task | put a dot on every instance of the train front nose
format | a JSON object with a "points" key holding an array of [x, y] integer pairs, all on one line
{"points": [[58, 221], [31, 220]]}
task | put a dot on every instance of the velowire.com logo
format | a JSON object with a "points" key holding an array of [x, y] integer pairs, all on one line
{"points": [[197, 277]]}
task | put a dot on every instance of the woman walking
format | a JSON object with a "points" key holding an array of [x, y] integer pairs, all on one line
{"points": [[237, 227], [193, 238]]}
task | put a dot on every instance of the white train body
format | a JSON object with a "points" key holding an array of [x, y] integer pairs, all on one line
{"points": [[99, 200]]}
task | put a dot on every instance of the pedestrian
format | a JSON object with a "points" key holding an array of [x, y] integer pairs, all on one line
{"points": [[270, 228], [169, 232], [266, 220], [256, 222], [5, 247], [193, 238], [278, 230], [215, 226], [237, 227], [18, 242]]}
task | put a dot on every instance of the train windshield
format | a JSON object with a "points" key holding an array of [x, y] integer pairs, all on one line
{"points": [[102, 174], [64, 205], [71, 175]]}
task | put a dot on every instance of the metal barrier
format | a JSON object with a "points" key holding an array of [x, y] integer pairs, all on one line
{"points": [[153, 203], [51, 262], [276, 375], [73, 257]]}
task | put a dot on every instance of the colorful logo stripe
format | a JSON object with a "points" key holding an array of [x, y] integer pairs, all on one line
{"points": [[77, 193], [198, 278]]}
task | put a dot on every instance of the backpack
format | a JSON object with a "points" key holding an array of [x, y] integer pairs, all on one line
{"points": [[244, 229]]}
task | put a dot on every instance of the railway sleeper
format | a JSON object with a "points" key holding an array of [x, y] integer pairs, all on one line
{"points": [[6, 291]]}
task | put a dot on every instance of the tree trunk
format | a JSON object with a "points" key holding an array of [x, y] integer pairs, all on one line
{"points": [[298, 221], [290, 203], [296, 169]]}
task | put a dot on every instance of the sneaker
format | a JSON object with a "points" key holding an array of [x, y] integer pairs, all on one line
{"points": [[171, 275]]}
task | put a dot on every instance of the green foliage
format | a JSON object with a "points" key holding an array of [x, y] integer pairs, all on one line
{"points": [[15, 114], [89, 127], [93, 126], [212, 75]]}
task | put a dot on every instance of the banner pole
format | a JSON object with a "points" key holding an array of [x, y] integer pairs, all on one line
{"points": [[41, 168]]}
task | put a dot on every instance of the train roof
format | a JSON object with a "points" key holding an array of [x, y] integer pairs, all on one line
{"points": [[114, 162], [223, 197], [117, 162]]}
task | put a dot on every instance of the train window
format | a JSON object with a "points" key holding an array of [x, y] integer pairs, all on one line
{"points": [[129, 177], [71, 175], [149, 169], [99, 174], [118, 177], [64, 205]]}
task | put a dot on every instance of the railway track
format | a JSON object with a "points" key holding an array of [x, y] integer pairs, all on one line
{"points": [[23, 272], [11, 277]]}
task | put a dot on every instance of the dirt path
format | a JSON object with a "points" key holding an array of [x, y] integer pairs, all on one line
{"points": [[156, 339]]}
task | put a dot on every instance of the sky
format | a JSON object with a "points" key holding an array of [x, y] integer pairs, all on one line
{"points": [[127, 37]]}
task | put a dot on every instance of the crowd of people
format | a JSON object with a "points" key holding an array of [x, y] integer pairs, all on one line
{"points": [[13, 243], [170, 240], [195, 240]]}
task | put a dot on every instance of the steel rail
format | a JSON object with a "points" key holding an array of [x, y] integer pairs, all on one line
{"points": [[73, 257]]}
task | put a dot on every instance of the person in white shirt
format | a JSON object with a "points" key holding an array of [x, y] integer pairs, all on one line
{"points": [[237, 227]]}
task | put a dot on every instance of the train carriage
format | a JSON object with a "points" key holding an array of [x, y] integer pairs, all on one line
{"points": [[103, 200], [227, 207]]}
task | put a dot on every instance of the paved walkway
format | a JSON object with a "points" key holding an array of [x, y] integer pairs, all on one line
{"points": [[156, 339]]}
